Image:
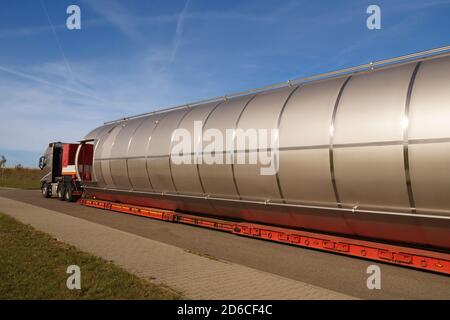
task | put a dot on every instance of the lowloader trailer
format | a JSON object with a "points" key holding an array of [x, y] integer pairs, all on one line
{"points": [[363, 167]]}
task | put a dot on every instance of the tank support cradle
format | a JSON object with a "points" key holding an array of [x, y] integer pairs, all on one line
{"points": [[404, 256]]}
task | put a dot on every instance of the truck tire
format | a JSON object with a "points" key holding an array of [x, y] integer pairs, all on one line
{"points": [[46, 192], [61, 191], [68, 193]]}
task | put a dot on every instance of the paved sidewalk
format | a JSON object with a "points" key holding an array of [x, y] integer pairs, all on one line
{"points": [[196, 276]]}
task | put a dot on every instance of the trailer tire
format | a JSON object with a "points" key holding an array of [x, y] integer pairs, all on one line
{"points": [[68, 193], [61, 191], [45, 191]]}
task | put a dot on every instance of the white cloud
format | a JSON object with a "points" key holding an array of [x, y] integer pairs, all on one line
{"points": [[38, 105], [119, 16]]}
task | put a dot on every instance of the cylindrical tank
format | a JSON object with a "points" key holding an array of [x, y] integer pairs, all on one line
{"points": [[364, 154]]}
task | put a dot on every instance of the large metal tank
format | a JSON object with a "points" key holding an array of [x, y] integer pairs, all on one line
{"points": [[365, 154]]}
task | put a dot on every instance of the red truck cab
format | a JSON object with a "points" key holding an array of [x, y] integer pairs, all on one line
{"points": [[64, 166]]}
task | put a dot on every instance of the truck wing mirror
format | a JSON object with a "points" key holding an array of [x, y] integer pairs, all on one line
{"points": [[42, 162]]}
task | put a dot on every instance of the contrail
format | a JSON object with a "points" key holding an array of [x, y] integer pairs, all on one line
{"points": [[57, 39], [43, 81], [179, 31]]}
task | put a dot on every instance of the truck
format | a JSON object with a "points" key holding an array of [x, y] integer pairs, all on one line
{"points": [[60, 178], [362, 160]]}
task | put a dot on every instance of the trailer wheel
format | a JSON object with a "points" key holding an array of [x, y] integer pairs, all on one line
{"points": [[61, 191], [46, 192], [68, 193]]}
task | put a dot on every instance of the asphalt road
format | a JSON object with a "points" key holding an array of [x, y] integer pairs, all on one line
{"points": [[335, 272]]}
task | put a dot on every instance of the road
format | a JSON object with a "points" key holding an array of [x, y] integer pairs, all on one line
{"points": [[331, 271]]}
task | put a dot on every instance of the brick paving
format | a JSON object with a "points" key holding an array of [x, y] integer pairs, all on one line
{"points": [[197, 277]]}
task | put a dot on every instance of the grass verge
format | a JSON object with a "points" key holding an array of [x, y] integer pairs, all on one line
{"points": [[33, 265], [22, 178]]}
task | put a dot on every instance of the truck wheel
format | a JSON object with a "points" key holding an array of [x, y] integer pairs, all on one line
{"points": [[45, 190], [61, 192], [68, 193]]}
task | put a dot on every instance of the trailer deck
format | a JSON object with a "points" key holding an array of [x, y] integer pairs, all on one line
{"points": [[399, 255]]}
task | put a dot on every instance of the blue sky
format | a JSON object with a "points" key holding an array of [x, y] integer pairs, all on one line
{"points": [[136, 56]]}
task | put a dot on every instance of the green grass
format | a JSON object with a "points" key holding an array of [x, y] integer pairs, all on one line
{"points": [[33, 266], [22, 178]]}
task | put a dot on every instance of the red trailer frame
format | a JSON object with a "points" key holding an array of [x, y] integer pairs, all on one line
{"points": [[399, 255]]}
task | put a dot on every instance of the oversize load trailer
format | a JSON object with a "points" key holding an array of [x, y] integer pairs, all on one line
{"points": [[363, 153]]}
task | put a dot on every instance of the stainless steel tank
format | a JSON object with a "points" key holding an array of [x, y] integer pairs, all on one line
{"points": [[365, 154]]}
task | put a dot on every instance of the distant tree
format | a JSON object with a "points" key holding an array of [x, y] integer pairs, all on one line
{"points": [[2, 164], [2, 161]]}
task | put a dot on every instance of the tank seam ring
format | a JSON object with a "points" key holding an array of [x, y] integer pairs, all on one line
{"points": [[277, 176], [147, 147], [189, 110], [128, 149], [331, 152], [411, 200], [203, 127], [235, 128]]}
